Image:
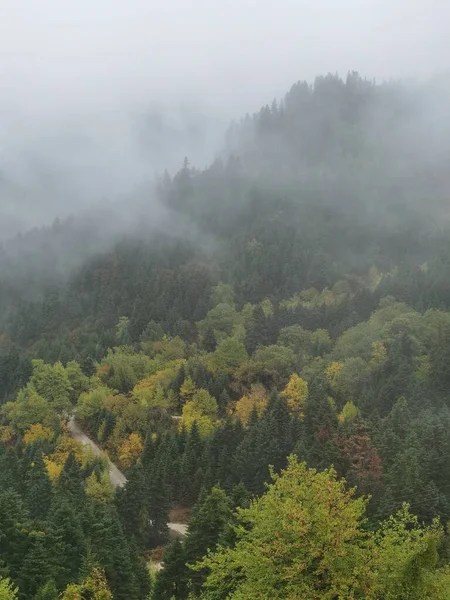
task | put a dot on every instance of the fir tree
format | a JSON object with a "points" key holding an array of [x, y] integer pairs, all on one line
{"points": [[38, 489], [70, 482], [171, 582], [67, 542]]}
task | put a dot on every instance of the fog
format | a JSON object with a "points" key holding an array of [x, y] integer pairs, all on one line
{"points": [[96, 96]]}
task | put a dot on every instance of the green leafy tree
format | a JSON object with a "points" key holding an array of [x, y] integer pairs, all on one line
{"points": [[302, 539], [52, 383], [8, 590]]}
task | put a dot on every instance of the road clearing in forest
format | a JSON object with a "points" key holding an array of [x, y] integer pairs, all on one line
{"points": [[116, 476]]}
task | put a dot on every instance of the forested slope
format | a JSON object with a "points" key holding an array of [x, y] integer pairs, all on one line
{"points": [[291, 299]]}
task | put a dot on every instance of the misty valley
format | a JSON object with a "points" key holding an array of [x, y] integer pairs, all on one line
{"points": [[233, 381]]}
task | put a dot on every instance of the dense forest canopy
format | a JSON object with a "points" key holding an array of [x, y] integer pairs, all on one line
{"points": [[263, 346]]}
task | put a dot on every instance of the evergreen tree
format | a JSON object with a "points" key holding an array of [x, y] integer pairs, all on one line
{"points": [[171, 582], [38, 488], [111, 549], [209, 340], [67, 542], [14, 529], [158, 502], [37, 567], [70, 482], [48, 591], [132, 505], [208, 523], [258, 333], [189, 484]]}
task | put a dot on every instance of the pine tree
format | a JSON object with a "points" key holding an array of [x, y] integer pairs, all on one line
{"points": [[70, 482], [209, 521], [132, 504], [67, 541], [48, 591], [14, 529], [111, 549], [171, 582], [37, 567], [38, 489], [158, 503], [258, 333], [209, 340], [224, 402], [189, 489]]}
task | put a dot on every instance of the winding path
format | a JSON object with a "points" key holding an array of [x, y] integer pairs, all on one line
{"points": [[116, 476]]}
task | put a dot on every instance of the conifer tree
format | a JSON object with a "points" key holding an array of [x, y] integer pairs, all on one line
{"points": [[189, 489], [209, 341], [38, 488], [171, 581], [70, 482], [48, 591], [209, 521], [37, 567], [67, 542], [158, 505], [132, 505], [111, 549]]}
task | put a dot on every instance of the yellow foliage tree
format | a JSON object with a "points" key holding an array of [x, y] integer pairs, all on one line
{"points": [[6, 433], [379, 353], [187, 389], [333, 371], [94, 587], [296, 393], [201, 409], [99, 488], [131, 450], [65, 445], [146, 391], [53, 468], [192, 414], [38, 433], [255, 399], [349, 412]]}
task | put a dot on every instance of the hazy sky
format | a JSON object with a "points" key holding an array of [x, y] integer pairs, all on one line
{"points": [[77, 76], [76, 54]]}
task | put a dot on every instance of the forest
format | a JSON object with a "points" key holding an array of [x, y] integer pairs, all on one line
{"points": [[264, 351]]}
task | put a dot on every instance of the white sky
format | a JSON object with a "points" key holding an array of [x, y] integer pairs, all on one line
{"points": [[80, 54]]}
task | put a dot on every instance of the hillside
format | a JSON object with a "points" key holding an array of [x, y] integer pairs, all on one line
{"points": [[282, 315]]}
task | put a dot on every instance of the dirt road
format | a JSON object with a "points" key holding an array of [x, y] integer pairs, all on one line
{"points": [[116, 476]]}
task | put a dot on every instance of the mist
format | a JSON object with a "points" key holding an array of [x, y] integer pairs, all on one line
{"points": [[98, 97]]}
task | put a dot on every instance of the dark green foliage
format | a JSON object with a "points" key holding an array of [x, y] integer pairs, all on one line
{"points": [[48, 591], [189, 466], [67, 541], [209, 340], [14, 528], [37, 567], [132, 504], [171, 581], [38, 488], [70, 482], [112, 550], [158, 502], [208, 523]]}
